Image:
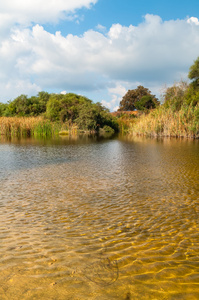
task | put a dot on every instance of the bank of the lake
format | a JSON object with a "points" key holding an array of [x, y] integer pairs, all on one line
{"points": [[163, 122], [160, 122], [42, 127]]}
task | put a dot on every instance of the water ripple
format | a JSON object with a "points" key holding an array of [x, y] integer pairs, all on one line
{"points": [[109, 220]]}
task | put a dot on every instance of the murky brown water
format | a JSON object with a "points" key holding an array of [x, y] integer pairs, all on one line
{"points": [[88, 219]]}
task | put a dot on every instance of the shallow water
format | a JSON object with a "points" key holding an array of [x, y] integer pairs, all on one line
{"points": [[99, 219]]}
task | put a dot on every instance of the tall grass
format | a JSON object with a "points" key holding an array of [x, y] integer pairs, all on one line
{"points": [[27, 126], [34, 126], [126, 121], [166, 122]]}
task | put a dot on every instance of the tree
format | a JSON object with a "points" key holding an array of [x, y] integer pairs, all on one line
{"points": [[19, 106], [43, 98], [132, 100], [53, 107], [146, 102], [87, 117], [174, 96], [194, 73], [3, 107]]}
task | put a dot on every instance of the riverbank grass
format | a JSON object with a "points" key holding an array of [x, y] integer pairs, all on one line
{"points": [[27, 126], [166, 122]]}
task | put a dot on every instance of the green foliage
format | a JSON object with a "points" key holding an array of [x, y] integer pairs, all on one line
{"points": [[107, 131], [69, 109], [178, 116], [24, 106], [145, 103], [194, 73], [174, 96], [191, 96], [3, 107], [94, 116], [43, 98], [180, 94], [43, 128], [65, 107], [87, 117], [53, 107], [107, 128], [133, 100]]}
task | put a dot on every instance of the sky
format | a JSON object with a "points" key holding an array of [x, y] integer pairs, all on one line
{"points": [[96, 48]]}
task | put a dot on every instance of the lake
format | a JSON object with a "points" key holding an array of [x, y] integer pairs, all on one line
{"points": [[89, 218]]}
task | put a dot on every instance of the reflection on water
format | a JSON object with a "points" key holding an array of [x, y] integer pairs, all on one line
{"points": [[99, 219]]}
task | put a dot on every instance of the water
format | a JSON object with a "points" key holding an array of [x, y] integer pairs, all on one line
{"points": [[99, 219]]}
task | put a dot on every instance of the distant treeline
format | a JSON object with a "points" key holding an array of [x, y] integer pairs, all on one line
{"points": [[178, 115], [69, 109]]}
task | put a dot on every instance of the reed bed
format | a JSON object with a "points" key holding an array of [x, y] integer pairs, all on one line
{"points": [[27, 126], [166, 122], [68, 128], [34, 126], [127, 121]]}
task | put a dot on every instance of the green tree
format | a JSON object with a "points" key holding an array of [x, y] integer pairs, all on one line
{"points": [[194, 73], [174, 96], [191, 96], [88, 117], [70, 105], [93, 116], [131, 100], [3, 107], [24, 106], [43, 98], [53, 107], [145, 103], [19, 106]]}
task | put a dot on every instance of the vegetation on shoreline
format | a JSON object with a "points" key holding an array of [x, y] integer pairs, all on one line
{"points": [[178, 116], [168, 123], [50, 114], [27, 126]]}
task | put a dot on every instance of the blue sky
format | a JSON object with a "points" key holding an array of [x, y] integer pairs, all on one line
{"points": [[97, 48], [126, 12]]}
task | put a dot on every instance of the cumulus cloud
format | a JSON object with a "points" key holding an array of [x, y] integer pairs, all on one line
{"points": [[193, 20], [37, 11], [116, 93], [152, 53]]}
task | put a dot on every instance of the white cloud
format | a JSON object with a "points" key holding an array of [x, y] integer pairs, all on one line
{"points": [[106, 104], [193, 20], [101, 28], [152, 54], [118, 90], [15, 87], [116, 93], [37, 11]]}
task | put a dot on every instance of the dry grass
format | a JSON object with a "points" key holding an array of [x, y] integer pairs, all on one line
{"points": [[33, 126], [24, 126], [165, 122]]}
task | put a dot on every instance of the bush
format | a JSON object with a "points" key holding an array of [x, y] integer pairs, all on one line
{"points": [[107, 128]]}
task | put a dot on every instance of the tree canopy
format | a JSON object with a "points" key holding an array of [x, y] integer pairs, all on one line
{"points": [[70, 108], [139, 98], [194, 73], [174, 96]]}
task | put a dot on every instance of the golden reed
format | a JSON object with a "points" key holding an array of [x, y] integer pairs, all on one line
{"points": [[165, 122], [24, 126]]}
